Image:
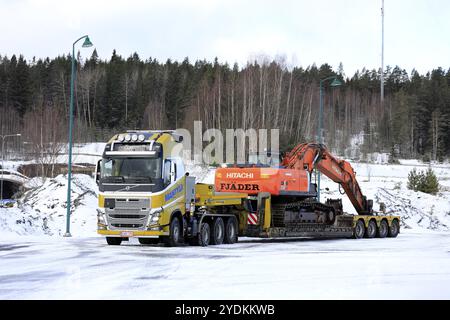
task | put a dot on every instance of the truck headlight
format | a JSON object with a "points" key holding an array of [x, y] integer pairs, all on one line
{"points": [[154, 216], [101, 218]]}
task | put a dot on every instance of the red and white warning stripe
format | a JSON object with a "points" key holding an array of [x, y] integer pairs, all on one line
{"points": [[252, 218]]}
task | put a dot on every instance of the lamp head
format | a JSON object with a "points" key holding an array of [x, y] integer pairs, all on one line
{"points": [[87, 43], [336, 83]]}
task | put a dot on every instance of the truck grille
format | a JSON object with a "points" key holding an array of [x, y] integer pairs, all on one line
{"points": [[127, 213]]}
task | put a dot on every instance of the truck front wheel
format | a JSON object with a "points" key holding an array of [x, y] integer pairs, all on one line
{"points": [[114, 241], [174, 237]]}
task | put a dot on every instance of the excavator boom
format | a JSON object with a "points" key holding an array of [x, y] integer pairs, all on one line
{"points": [[307, 156]]}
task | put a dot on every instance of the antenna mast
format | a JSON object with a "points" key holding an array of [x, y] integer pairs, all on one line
{"points": [[382, 51]]}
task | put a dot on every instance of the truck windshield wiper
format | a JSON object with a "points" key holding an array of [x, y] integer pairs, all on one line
{"points": [[140, 179], [114, 179]]}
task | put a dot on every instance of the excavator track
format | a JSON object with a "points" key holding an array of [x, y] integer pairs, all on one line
{"points": [[279, 212]]}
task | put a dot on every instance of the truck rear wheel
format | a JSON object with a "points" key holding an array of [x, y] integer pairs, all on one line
{"points": [[174, 237], [114, 241], [218, 231], [204, 235], [383, 229], [371, 230], [231, 232], [394, 229], [360, 229]]}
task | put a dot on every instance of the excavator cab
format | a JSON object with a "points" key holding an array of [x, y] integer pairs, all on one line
{"points": [[264, 159]]}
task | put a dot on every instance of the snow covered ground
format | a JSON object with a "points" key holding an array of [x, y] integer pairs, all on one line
{"points": [[37, 262], [412, 266]]}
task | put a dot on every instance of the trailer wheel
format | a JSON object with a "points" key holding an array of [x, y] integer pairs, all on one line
{"points": [[148, 240], [174, 237], [394, 229], [204, 235], [218, 231], [371, 230], [231, 232], [383, 230], [114, 241], [360, 229]]}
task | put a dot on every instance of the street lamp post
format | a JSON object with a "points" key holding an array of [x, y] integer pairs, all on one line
{"points": [[3, 168], [87, 43], [335, 83]]}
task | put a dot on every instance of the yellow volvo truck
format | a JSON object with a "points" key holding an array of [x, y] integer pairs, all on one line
{"points": [[144, 192]]}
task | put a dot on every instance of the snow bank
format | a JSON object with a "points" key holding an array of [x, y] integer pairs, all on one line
{"points": [[42, 210]]}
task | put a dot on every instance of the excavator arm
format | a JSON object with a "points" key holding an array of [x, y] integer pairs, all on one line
{"points": [[308, 156]]}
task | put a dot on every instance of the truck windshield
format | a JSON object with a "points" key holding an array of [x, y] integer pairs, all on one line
{"points": [[126, 168]]}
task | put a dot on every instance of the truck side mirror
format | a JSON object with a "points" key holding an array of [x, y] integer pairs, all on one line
{"points": [[97, 171], [173, 172], [167, 172]]}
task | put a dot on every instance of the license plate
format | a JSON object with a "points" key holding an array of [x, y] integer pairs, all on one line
{"points": [[126, 234]]}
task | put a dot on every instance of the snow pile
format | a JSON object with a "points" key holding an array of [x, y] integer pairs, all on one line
{"points": [[417, 209], [42, 210]]}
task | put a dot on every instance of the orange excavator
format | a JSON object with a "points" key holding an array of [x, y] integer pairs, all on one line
{"points": [[294, 196]]}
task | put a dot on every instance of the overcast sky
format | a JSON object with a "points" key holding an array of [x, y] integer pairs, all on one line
{"points": [[417, 32]]}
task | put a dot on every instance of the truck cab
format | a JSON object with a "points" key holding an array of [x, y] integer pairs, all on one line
{"points": [[139, 177]]}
